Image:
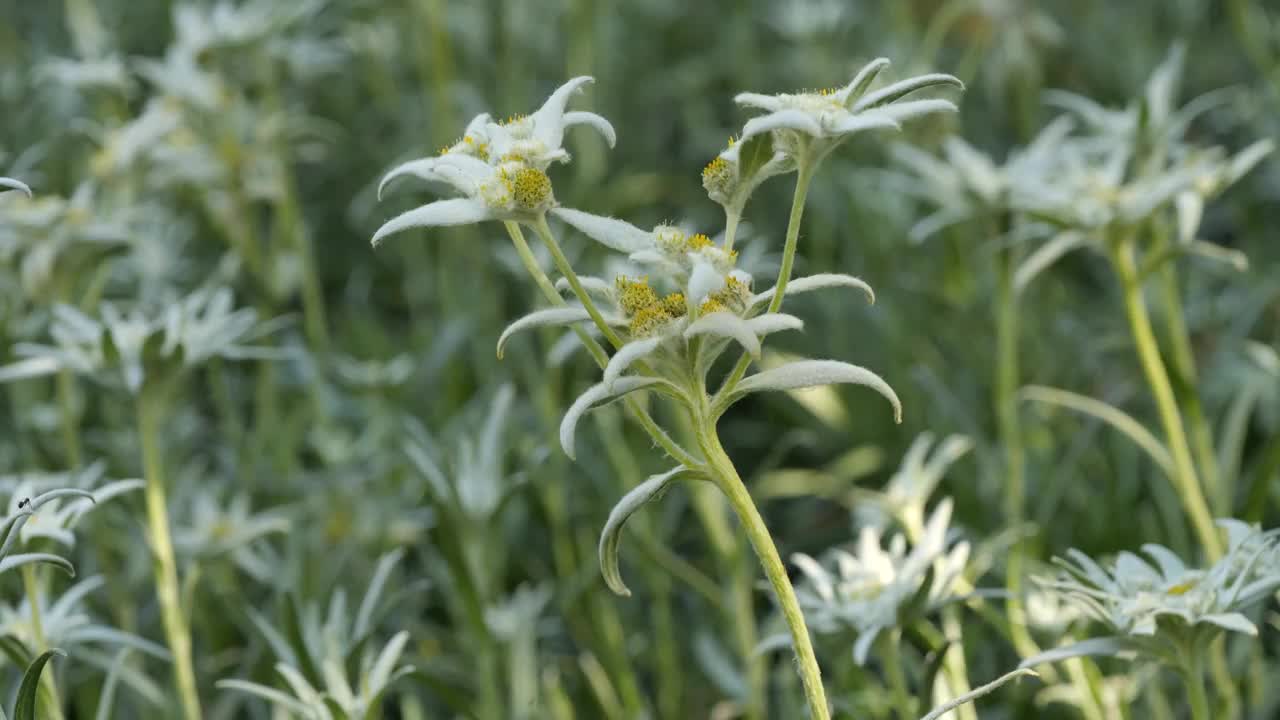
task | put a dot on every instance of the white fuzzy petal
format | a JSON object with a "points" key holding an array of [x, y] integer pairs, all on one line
{"points": [[770, 323], [902, 88], [781, 120], [626, 355], [594, 121], [818, 282], [611, 232], [477, 125], [597, 393], [14, 185], [703, 281], [548, 121], [899, 112], [460, 211], [811, 373], [756, 100], [423, 168], [542, 318], [726, 325], [860, 82], [817, 575], [869, 121]]}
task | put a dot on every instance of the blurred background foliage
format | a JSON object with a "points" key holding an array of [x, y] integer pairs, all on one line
{"points": [[178, 147]]}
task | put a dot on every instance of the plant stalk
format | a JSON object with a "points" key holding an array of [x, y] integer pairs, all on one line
{"points": [[52, 706], [1185, 479], [726, 477], [177, 634]]}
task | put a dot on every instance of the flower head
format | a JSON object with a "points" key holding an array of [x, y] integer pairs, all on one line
{"points": [[827, 117], [875, 588], [498, 168]]}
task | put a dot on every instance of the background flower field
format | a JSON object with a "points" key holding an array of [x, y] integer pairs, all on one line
{"points": [[369, 512]]}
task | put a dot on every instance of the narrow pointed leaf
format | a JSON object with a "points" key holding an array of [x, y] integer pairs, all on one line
{"points": [[16, 561], [817, 282], [628, 354], [25, 708], [598, 393], [896, 91], [594, 121], [647, 491], [613, 233], [1104, 646], [782, 120], [12, 184], [1045, 256], [978, 692], [459, 211], [857, 87], [1109, 414], [542, 318], [811, 373], [725, 325]]}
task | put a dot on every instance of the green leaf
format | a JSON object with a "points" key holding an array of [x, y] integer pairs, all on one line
{"points": [[755, 153], [297, 638], [14, 561], [1109, 414], [1105, 646], [25, 708], [647, 491]]}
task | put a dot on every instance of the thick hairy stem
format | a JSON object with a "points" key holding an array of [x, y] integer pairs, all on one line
{"points": [[1185, 479], [177, 634], [601, 357], [804, 174], [727, 479]]}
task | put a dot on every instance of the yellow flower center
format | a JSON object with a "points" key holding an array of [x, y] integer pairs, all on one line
{"points": [[531, 188], [649, 319], [675, 304], [635, 295]]}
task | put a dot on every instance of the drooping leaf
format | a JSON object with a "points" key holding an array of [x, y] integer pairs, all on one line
{"points": [[647, 491], [25, 707]]}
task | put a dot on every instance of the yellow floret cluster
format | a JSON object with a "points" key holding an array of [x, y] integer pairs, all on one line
{"points": [[647, 311], [530, 188], [730, 298]]}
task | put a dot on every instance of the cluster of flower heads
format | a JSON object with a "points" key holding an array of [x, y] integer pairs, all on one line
{"points": [[1136, 596]]}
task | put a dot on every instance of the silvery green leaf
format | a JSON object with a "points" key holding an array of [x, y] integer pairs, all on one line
{"points": [[43, 498], [857, 87], [934, 223], [788, 119], [422, 168], [1246, 159], [1232, 621], [596, 394], [32, 367], [373, 594], [770, 323], [459, 211], [817, 282], [976, 693], [726, 325], [15, 561], [611, 536], [754, 153], [1104, 646], [1109, 414], [768, 103], [862, 646], [335, 683], [810, 373], [25, 707], [1211, 251], [271, 695], [542, 318], [1190, 208], [1046, 255], [628, 354], [895, 91], [611, 232], [877, 120], [594, 286], [11, 528], [593, 121], [381, 672], [12, 184]]}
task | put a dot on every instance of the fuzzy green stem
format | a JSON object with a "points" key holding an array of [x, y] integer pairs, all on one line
{"points": [[178, 635], [804, 173], [731, 220], [70, 423], [641, 415], [891, 645], [562, 264], [1197, 698], [726, 477], [52, 706], [1185, 480]]}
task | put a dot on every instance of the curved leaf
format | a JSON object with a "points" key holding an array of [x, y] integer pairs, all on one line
{"points": [[610, 537], [12, 184], [818, 282], [810, 373], [977, 693], [25, 708], [598, 393], [1106, 646], [628, 354], [541, 318], [15, 561], [726, 325], [1109, 414], [458, 211]]}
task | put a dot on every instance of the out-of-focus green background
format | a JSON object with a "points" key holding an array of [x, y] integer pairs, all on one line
{"points": [[281, 126]]}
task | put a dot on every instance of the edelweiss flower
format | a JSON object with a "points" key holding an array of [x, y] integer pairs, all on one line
{"points": [[908, 491], [874, 588], [500, 168], [1158, 606], [827, 117]]}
